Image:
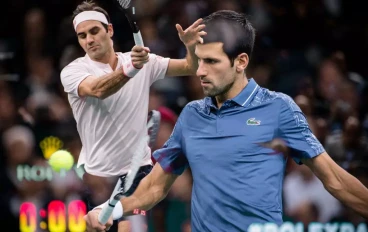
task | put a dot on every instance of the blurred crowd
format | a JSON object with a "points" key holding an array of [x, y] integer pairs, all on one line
{"points": [[312, 50]]}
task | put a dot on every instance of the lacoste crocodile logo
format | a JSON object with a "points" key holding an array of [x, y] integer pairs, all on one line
{"points": [[253, 122]]}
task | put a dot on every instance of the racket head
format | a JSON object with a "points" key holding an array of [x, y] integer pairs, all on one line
{"points": [[124, 4], [129, 10]]}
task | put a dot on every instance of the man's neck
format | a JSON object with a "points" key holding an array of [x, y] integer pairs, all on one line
{"points": [[109, 58], [237, 87]]}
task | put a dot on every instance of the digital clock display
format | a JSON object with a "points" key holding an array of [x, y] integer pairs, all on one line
{"points": [[58, 217]]}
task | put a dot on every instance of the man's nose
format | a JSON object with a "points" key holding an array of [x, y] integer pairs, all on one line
{"points": [[201, 70], [90, 39]]}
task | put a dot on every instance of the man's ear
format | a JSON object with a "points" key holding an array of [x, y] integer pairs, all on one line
{"points": [[110, 30], [242, 62]]}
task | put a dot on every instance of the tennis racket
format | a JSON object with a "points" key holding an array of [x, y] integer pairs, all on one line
{"points": [[153, 125], [129, 11]]}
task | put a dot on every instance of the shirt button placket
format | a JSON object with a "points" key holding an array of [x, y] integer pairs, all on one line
{"points": [[219, 123]]}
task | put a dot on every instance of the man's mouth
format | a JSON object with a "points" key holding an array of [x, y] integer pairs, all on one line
{"points": [[205, 83], [93, 47]]}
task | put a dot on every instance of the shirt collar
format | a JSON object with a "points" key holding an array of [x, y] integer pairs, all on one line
{"points": [[103, 66], [243, 98], [209, 104], [247, 94]]}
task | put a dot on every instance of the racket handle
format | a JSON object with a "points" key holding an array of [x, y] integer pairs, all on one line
{"points": [[105, 214], [138, 39]]}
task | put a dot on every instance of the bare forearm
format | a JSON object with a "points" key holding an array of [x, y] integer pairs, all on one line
{"points": [[192, 60], [183, 67], [109, 84], [352, 193], [145, 197], [341, 184]]}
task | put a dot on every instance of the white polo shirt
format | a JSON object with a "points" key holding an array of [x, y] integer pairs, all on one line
{"points": [[109, 128]]}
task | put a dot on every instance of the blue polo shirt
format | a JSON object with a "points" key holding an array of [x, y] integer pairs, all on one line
{"points": [[237, 182]]}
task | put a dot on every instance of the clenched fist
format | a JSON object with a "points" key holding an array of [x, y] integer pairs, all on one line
{"points": [[93, 224], [139, 56]]}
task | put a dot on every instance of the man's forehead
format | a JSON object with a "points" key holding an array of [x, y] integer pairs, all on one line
{"points": [[210, 49], [87, 25]]}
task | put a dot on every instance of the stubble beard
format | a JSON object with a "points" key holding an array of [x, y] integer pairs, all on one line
{"points": [[217, 90], [97, 55]]}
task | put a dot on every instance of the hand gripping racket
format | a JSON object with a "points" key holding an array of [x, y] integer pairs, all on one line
{"points": [[129, 11], [153, 125]]}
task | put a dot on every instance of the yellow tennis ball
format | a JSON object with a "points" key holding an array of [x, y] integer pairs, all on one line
{"points": [[61, 159]]}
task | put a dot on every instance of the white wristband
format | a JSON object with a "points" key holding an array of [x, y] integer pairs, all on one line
{"points": [[129, 70], [117, 213]]}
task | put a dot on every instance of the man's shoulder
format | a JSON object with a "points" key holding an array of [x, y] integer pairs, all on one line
{"points": [[265, 95], [199, 105], [193, 110], [79, 62]]}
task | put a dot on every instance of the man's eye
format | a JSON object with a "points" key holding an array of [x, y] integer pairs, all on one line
{"points": [[210, 61], [94, 32]]}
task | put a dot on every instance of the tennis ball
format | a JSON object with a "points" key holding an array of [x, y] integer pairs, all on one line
{"points": [[61, 159]]}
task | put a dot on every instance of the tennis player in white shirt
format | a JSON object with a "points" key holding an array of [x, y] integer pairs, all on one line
{"points": [[108, 92]]}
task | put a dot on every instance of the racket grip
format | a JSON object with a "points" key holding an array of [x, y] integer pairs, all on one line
{"points": [[105, 214], [138, 39]]}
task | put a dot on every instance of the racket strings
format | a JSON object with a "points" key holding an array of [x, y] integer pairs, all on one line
{"points": [[124, 3]]}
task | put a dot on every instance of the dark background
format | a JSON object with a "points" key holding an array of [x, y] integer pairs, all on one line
{"points": [[314, 51]]}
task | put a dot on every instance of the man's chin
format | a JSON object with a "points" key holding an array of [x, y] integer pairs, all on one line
{"points": [[93, 55], [208, 93], [205, 92]]}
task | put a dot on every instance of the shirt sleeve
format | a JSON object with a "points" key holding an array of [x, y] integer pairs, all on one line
{"points": [[171, 156], [296, 133], [71, 77], [158, 66]]}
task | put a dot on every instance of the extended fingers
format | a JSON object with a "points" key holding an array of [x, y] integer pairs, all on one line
{"points": [[202, 33], [200, 40], [200, 27], [196, 26], [196, 23], [179, 28]]}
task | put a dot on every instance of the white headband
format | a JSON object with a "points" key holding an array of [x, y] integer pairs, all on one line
{"points": [[89, 15]]}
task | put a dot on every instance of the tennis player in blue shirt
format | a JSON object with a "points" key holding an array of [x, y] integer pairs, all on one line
{"points": [[228, 139]]}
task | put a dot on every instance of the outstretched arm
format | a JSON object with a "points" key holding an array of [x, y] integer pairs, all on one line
{"points": [[304, 146], [151, 190], [342, 185], [190, 37]]}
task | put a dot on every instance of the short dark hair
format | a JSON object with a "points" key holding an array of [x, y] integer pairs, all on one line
{"points": [[231, 28], [91, 6]]}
